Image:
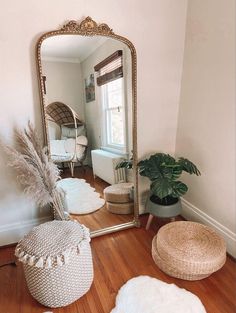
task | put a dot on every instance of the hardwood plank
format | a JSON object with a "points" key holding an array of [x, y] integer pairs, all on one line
{"points": [[118, 257]]}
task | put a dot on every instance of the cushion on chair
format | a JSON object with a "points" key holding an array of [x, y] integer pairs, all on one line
{"points": [[67, 132], [57, 147]]}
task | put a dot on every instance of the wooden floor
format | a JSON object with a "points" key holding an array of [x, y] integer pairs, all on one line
{"points": [[118, 257], [100, 218]]}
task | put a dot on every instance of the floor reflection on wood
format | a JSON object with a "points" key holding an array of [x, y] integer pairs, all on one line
{"points": [[101, 218]]}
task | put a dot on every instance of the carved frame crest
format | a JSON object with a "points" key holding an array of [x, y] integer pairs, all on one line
{"points": [[88, 26]]}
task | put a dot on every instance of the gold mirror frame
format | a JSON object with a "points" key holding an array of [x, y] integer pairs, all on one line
{"points": [[88, 27]]}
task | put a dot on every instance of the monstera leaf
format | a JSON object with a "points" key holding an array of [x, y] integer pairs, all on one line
{"points": [[150, 167], [161, 188], [164, 171], [159, 166], [188, 166], [178, 189], [164, 187], [125, 164]]}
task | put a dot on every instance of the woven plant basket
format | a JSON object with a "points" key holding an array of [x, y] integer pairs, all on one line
{"points": [[57, 262], [188, 250]]}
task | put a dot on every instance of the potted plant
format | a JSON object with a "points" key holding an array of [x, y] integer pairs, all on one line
{"points": [[164, 172]]}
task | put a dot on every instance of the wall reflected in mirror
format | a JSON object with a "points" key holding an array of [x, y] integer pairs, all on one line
{"points": [[87, 89]]}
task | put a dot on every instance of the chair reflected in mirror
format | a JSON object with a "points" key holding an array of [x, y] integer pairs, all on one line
{"points": [[67, 135]]}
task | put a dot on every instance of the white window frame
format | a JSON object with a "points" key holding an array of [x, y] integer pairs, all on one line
{"points": [[105, 109]]}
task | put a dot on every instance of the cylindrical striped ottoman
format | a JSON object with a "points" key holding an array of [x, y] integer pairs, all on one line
{"points": [[118, 193], [188, 250], [119, 198], [57, 262], [120, 208]]}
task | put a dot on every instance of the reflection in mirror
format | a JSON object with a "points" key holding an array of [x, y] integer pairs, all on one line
{"points": [[71, 146], [87, 98]]}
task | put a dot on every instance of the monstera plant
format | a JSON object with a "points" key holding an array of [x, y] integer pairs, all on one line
{"points": [[164, 172]]}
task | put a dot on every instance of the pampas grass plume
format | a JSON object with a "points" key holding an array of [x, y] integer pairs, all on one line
{"points": [[35, 171]]}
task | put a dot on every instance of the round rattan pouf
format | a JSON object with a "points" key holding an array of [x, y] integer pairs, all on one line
{"points": [[120, 208], [188, 250], [118, 193], [57, 262]]}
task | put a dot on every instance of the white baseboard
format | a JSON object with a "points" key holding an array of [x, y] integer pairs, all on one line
{"points": [[190, 212], [12, 233]]}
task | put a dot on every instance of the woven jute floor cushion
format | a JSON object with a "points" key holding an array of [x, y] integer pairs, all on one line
{"points": [[118, 193], [57, 262], [188, 250], [120, 208]]}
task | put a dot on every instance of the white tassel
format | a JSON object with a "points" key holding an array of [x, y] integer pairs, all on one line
{"points": [[86, 230], [84, 227], [86, 233], [39, 263], [81, 245], [87, 237], [48, 262], [31, 260], [24, 258], [66, 255], [17, 252], [59, 261], [21, 254]]}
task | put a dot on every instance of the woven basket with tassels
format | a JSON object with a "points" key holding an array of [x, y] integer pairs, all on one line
{"points": [[57, 262]]}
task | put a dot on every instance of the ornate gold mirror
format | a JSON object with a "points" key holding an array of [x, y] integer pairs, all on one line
{"points": [[87, 79]]}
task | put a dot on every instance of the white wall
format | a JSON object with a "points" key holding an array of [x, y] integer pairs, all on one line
{"points": [[64, 84], [206, 123], [157, 30]]}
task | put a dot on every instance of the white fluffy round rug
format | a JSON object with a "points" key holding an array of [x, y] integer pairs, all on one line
{"points": [[144, 294], [80, 197]]}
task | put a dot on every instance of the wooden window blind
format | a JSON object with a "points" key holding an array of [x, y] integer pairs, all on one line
{"points": [[110, 68]]}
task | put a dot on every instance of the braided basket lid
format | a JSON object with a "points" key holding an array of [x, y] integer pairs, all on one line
{"points": [[119, 189], [51, 244], [189, 245], [118, 193]]}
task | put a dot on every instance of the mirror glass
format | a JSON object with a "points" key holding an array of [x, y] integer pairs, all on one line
{"points": [[87, 98]]}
